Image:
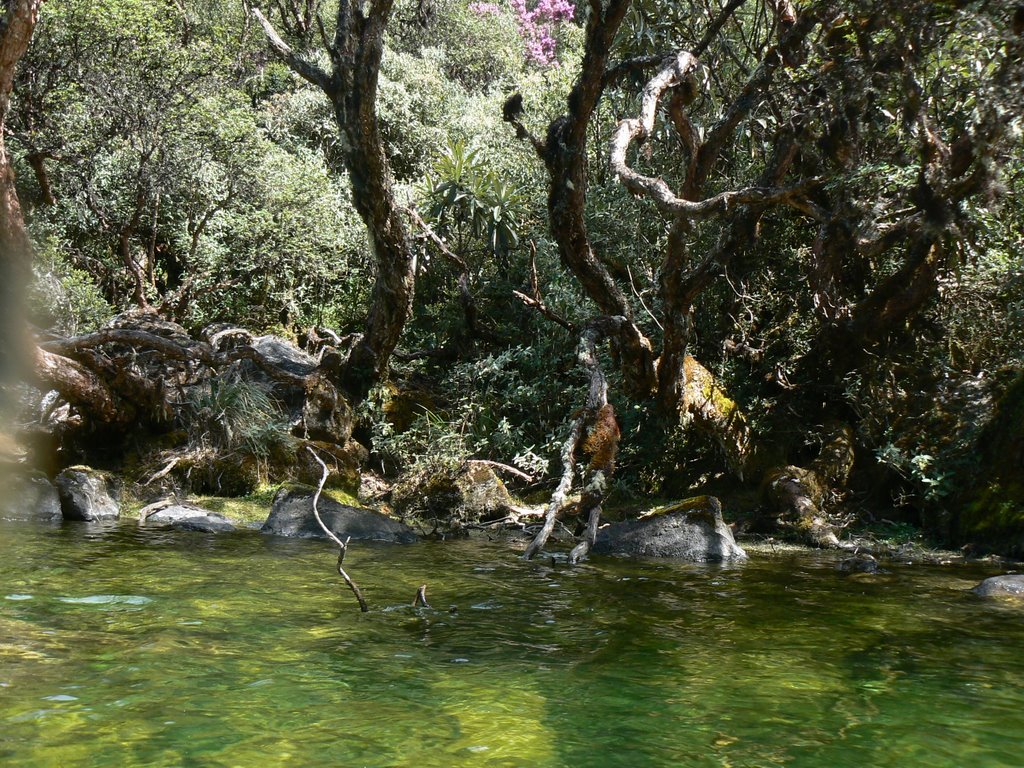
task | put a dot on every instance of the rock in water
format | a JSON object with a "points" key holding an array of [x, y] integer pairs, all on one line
{"points": [[88, 494], [29, 496], [1010, 585], [184, 517], [292, 515], [693, 530], [471, 494]]}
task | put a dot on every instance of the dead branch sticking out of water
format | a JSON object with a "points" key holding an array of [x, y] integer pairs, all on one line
{"points": [[342, 545], [421, 597], [601, 443]]}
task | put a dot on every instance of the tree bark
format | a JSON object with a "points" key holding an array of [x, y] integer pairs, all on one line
{"points": [[564, 152]]}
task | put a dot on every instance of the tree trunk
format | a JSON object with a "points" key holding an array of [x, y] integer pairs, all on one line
{"points": [[16, 28]]}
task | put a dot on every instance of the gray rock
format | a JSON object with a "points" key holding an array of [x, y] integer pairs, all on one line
{"points": [[292, 515], [29, 496], [184, 517], [285, 355], [88, 494], [1010, 585], [694, 532]]}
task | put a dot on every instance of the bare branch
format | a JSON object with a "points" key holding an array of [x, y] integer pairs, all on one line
{"points": [[640, 128], [343, 545], [305, 69], [558, 498]]}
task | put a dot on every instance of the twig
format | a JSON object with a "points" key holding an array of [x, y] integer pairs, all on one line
{"points": [[163, 472], [421, 597], [535, 301], [343, 545], [498, 465], [641, 298]]}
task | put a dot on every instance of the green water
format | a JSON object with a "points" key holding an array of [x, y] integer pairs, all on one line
{"points": [[121, 647]]}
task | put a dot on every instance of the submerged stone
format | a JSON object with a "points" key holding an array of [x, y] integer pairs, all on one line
{"points": [[184, 517], [693, 530], [1009, 585], [88, 494], [292, 515]]}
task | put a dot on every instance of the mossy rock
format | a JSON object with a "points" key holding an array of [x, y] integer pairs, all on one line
{"points": [[471, 494], [344, 463]]}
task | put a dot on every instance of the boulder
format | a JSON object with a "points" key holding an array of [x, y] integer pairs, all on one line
{"points": [[88, 494], [1010, 585], [292, 515], [184, 517], [471, 494], [692, 530], [29, 496]]}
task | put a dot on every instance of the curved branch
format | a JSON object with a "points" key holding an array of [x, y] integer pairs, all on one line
{"points": [[640, 128], [305, 69]]}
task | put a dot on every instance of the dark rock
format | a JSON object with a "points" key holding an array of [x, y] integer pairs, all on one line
{"points": [[693, 530], [185, 517], [292, 515], [1010, 585], [29, 496], [88, 494]]}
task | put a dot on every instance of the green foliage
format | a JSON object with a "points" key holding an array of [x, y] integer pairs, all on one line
{"points": [[466, 199], [64, 298], [478, 52], [235, 417]]}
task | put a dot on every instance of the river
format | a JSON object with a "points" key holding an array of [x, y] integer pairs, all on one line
{"points": [[129, 647]]}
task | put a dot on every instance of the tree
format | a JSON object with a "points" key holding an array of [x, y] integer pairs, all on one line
{"points": [[355, 53], [837, 79]]}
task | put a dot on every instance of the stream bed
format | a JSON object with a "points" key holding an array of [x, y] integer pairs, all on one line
{"points": [[128, 647]]}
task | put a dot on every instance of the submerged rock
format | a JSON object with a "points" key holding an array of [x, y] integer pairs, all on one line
{"points": [[29, 496], [88, 494], [861, 562], [292, 515], [693, 530], [184, 517], [1010, 585]]}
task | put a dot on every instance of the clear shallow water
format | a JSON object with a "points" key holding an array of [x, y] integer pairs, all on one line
{"points": [[121, 647]]}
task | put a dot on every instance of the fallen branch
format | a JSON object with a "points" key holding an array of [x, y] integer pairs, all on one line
{"points": [[343, 545], [163, 472], [507, 468], [601, 444], [561, 492]]}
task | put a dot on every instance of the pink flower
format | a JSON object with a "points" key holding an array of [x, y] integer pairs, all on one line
{"points": [[537, 25]]}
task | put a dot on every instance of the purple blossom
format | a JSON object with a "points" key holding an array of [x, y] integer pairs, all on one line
{"points": [[537, 25]]}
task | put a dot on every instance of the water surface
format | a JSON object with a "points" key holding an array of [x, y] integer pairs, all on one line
{"points": [[128, 647]]}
